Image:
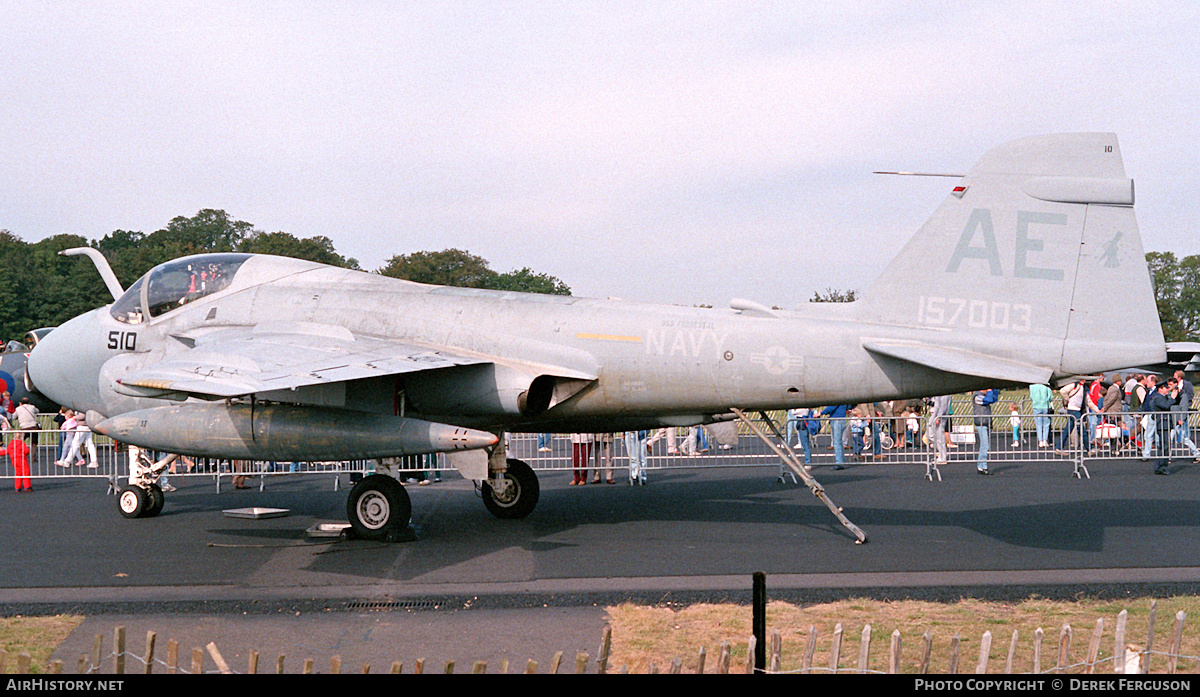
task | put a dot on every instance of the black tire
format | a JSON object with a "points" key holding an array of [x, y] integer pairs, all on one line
{"points": [[378, 508], [133, 501], [520, 498], [157, 499]]}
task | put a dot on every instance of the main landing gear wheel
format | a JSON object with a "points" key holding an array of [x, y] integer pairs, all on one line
{"points": [[378, 508], [141, 502], [518, 498], [157, 499]]}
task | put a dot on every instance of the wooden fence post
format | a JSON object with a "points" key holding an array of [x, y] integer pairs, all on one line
{"points": [[1038, 635], [148, 661], [119, 650], [1176, 642], [926, 652], [96, 645], [894, 653], [725, 657], [1149, 637], [605, 649], [776, 650], [952, 669], [1094, 647], [810, 648], [1012, 654], [1064, 648], [835, 649], [1119, 643], [172, 657], [864, 649], [224, 667], [985, 653]]}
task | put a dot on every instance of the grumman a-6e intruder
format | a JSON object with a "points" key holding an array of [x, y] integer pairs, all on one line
{"points": [[1032, 270]]}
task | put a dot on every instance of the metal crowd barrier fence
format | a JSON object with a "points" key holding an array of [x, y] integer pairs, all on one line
{"points": [[1013, 436], [49, 451]]}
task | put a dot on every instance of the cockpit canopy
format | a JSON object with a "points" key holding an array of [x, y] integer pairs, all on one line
{"points": [[176, 283]]}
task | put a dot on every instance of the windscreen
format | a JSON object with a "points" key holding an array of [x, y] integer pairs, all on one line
{"points": [[176, 283]]}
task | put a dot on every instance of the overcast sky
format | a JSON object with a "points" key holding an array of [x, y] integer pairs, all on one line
{"points": [[683, 152]]}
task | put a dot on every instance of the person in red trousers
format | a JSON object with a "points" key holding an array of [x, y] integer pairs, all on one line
{"points": [[18, 454]]}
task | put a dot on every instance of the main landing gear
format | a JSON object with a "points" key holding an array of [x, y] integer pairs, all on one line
{"points": [[379, 508], [513, 493]]}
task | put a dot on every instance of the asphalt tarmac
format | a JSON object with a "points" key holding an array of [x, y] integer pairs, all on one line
{"points": [[470, 587]]}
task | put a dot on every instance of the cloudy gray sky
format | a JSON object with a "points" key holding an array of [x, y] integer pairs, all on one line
{"points": [[684, 152]]}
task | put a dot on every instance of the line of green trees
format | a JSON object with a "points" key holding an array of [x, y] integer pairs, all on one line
{"points": [[1177, 290], [39, 288]]}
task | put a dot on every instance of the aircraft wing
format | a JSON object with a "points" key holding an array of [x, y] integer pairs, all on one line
{"points": [[960, 361], [238, 361]]}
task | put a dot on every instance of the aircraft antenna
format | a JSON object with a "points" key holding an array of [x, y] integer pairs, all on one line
{"points": [[923, 174]]}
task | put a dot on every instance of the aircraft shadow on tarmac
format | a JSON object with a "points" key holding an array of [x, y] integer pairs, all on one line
{"points": [[585, 524]]}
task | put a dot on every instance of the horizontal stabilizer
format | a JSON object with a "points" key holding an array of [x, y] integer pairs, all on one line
{"points": [[1185, 355], [960, 361]]}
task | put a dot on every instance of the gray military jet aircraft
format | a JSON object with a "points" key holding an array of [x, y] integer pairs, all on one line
{"points": [[1031, 270]]}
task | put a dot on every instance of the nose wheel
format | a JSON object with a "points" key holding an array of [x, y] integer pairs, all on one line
{"points": [[141, 501]]}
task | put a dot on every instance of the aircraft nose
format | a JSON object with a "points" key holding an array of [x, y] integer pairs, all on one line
{"points": [[59, 366]]}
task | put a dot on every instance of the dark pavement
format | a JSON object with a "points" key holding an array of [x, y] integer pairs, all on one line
{"points": [[471, 587]]}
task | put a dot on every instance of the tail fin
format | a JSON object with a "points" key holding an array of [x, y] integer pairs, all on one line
{"points": [[1034, 259]]}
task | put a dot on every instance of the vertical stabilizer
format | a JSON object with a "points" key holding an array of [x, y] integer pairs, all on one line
{"points": [[1035, 257]]}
